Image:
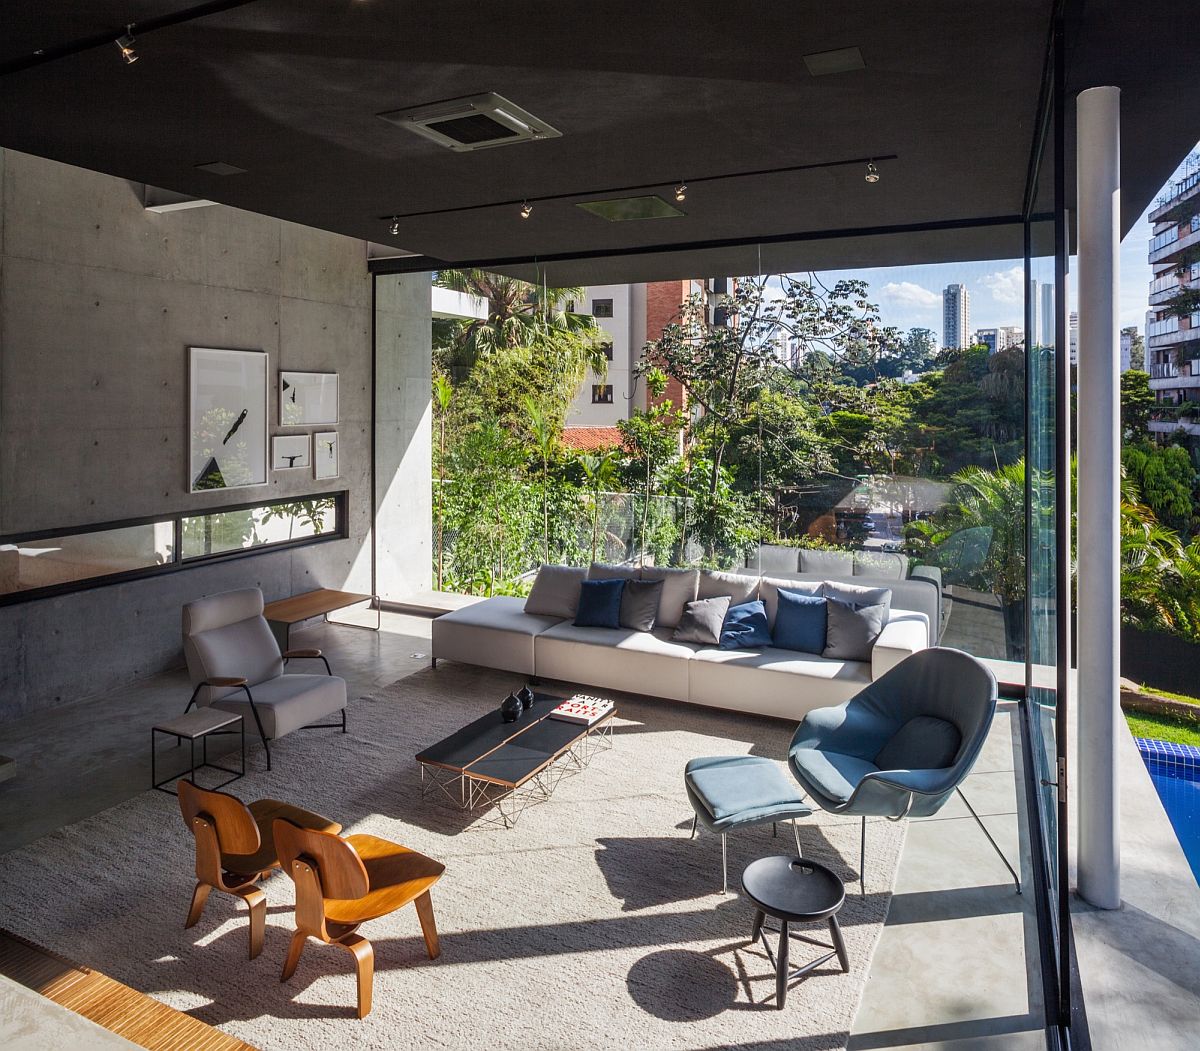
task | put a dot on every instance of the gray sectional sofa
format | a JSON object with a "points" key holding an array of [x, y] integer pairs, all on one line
{"points": [[498, 633]]}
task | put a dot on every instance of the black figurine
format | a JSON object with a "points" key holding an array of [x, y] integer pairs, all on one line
{"points": [[525, 696], [511, 709]]}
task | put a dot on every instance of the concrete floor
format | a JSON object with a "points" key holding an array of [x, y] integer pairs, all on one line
{"points": [[957, 963]]}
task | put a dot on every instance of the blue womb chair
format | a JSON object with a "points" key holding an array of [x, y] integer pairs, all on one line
{"points": [[903, 745]]}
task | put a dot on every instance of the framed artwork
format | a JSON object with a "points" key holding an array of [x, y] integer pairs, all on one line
{"points": [[307, 398], [325, 454], [289, 451], [227, 418]]}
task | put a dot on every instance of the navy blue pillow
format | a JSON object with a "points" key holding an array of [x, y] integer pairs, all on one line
{"points": [[800, 622], [745, 627], [600, 604]]}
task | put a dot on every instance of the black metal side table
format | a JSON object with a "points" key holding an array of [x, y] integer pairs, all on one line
{"points": [[195, 726], [793, 890]]}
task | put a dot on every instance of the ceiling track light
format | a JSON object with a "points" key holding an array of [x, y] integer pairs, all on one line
{"points": [[526, 210], [125, 46], [681, 192], [395, 227], [872, 175]]}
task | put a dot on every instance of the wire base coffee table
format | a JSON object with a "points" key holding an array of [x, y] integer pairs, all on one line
{"points": [[506, 768]]}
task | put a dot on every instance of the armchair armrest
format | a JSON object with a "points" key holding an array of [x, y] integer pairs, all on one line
{"points": [[224, 682], [904, 634], [301, 653], [931, 573]]}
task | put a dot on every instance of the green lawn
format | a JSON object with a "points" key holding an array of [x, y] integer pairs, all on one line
{"points": [[1162, 728], [1171, 696]]}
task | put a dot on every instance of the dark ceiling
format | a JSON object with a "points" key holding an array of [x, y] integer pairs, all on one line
{"points": [[645, 94]]}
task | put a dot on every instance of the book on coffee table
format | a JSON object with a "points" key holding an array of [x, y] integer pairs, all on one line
{"points": [[586, 711]]}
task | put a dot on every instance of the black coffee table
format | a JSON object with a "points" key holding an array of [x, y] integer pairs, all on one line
{"points": [[794, 890], [510, 765]]}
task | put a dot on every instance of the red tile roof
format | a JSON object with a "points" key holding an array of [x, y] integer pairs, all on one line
{"points": [[589, 439]]}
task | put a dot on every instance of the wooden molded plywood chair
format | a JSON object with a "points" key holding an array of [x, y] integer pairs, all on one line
{"points": [[235, 847], [342, 883]]}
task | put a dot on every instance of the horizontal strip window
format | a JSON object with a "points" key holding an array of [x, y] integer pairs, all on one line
{"points": [[52, 562]]}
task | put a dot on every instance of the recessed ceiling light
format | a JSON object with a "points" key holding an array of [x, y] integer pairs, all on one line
{"points": [[220, 168], [625, 208], [841, 60]]}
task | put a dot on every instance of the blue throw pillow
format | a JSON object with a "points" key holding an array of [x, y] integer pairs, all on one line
{"points": [[600, 604], [800, 622], [745, 627]]}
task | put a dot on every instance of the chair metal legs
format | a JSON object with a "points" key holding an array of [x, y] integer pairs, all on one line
{"points": [[995, 845], [724, 866], [725, 847], [862, 860]]}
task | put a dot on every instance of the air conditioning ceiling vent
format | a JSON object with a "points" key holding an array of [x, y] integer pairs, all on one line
{"points": [[476, 122]]}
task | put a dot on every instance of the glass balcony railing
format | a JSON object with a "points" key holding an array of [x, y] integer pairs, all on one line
{"points": [[1162, 328], [1165, 238]]}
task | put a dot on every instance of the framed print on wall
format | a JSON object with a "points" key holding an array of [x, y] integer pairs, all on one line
{"points": [[307, 397], [289, 451], [227, 418], [325, 454]]}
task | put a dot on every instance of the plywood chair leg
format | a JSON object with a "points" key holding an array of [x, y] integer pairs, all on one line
{"points": [[256, 902], [364, 960], [424, 906], [199, 897], [293, 957]]}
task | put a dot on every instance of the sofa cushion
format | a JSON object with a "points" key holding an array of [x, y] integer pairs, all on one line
{"points": [[775, 558], [881, 564], [827, 563], [555, 591], [739, 790], [768, 591], [702, 620], [922, 743], [245, 650], [800, 623], [739, 587], [833, 774], [287, 703], [639, 604], [745, 627], [610, 571], [679, 588], [851, 630], [494, 633], [615, 658], [858, 595], [600, 603]]}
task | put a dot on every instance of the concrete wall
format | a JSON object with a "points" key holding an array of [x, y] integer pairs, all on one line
{"points": [[99, 301]]}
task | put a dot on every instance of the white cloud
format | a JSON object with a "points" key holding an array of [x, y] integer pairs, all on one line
{"points": [[910, 294], [1007, 286]]}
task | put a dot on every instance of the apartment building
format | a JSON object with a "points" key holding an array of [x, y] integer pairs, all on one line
{"points": [[956, 317]]}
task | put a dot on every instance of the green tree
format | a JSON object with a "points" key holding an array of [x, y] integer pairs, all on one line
{"points": [[1137, 401], [443, 394], [652, 439], [545, 441], [1166, 479], [600, 470]]}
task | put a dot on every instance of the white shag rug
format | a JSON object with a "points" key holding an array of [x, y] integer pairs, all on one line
{"points": [[594, 923]]}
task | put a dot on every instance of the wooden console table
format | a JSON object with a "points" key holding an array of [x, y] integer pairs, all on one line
{"points": [[283, 614]]}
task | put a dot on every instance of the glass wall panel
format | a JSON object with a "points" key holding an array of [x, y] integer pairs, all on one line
{"points": [[252, 527], [68, 559]]}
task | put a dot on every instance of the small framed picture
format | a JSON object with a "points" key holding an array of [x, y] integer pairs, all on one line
{"points": [[289, 452], [325, 454], [307, 398]]}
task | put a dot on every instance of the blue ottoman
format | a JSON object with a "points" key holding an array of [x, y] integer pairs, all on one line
{"points": [[729, 792]]}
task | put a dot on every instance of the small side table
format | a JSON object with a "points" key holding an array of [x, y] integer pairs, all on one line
{"points": [[196, 726], [793, 890]]}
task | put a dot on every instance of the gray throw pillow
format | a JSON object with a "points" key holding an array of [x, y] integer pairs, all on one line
{"points": [[556, 592], [738, 588], [851, 631], [639, 604], [856, 594], [701, 621], [679, 588]]}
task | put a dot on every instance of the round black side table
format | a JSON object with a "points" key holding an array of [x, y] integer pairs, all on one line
{"points": [[793, 890]]}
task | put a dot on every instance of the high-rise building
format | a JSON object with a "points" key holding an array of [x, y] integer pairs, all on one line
{"points": [[1002, 338], [1128, 335], [1045, 336], [1073, 336], [1174, 375], [1035, 311], [956, 317]]}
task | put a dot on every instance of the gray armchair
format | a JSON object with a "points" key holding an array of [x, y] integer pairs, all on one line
{"points": [[235, 664], [903, 745]]}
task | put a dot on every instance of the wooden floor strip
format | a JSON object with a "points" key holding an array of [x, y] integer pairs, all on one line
{"points": [[137, 1017]]}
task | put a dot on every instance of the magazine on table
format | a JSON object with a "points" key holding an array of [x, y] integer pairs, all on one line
{"points": [[586, 711]]}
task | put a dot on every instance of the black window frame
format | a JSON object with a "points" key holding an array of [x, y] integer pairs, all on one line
{"points": [[602, 389], [596, 303]]}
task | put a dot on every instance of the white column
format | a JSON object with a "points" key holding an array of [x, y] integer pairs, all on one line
{"points": [[1099, 588]]}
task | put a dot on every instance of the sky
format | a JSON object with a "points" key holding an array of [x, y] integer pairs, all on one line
{"points": [[911, 296]]}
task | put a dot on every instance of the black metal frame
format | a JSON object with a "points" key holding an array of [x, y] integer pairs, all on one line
{"points": [[341, 531], [237, 774]]}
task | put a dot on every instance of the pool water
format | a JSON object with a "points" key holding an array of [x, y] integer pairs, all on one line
{"points": [[1175, 771]]}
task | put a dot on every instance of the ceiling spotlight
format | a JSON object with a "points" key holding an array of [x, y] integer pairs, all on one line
{"points": [[681, 192], [872, 172], [125, 44], [526, 210], [395, 227]]}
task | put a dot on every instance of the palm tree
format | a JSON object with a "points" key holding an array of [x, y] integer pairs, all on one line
{"points": [[443, 392], [545, 438], [520, 314], [600, 471]]}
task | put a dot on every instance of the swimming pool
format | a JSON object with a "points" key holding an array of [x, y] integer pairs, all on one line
{"points": [[1175, 771]]}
